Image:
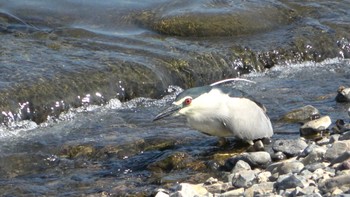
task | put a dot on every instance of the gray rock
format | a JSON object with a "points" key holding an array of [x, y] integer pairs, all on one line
{"points": [[307, 150], [316, 155], [315, 127], [343, 94], [278, 156], [314, 166], [341, 158], [301, 114], [290, 147], [255, 159], [332, 183], [260, 189], [241, 166], [345, 136], [290, 181], [285, 167], [337, 149], [244, 179], [190, 190], [291, 167]]}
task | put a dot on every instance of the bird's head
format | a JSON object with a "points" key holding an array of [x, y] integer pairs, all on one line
{"points": [[184, 103]]}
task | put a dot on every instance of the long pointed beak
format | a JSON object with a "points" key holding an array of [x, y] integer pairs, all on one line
{"points": [[167, 112]]}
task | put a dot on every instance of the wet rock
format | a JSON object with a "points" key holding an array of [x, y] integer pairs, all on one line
{"points": [[254, 159], [241, 166], [244, 179], [332, 183], [289, 147], [315, 128], [316, 155], [189, 20], [343, 94], [301, 114], [190, 190], [260, 189], [337, 149], [290, 181]]}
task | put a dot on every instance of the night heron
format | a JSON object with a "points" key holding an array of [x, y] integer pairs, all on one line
{"points": [[222, 111]]}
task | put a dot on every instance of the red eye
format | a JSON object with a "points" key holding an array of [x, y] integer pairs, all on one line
{"points": [[188, 101]]}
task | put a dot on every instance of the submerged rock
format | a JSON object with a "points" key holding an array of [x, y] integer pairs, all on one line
{"points": [[301, 114]]}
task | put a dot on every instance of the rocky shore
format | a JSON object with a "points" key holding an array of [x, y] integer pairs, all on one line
{"points": [[315, 164]]}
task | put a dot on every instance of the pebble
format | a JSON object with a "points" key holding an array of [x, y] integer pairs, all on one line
{"points": [[290, 147], [315, 127], [301, 114]]}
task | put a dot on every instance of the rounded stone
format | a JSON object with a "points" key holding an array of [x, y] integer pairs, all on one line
{"points": [[254, 159], [291, 167], [290, 147]]}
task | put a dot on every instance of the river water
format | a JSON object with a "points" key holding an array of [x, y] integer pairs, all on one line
{"points": [[80, 82]]}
